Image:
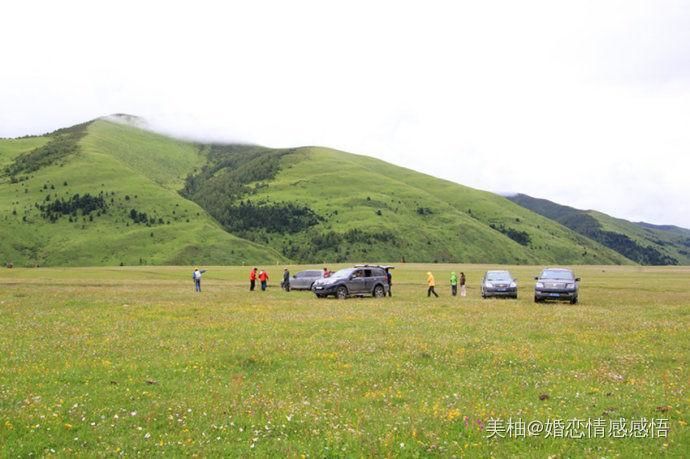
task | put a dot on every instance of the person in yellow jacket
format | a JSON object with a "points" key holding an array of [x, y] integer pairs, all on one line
{"points": [[432, 283]]}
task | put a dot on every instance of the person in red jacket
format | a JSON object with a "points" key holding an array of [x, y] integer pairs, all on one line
{"points": [[252, 279], [263, 277]]}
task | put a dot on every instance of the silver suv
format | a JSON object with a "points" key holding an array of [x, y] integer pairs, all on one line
{"points": [[556, 284], [358, 281]]}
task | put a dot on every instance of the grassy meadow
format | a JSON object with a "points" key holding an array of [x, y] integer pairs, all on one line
{"points": [[130, 361]]}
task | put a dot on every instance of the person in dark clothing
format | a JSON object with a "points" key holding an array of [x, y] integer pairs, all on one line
{"points": [[286, 280], [463, 289], [196, 277], [390, 282], [252, 279]]}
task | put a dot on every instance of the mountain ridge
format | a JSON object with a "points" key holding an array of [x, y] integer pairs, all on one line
{"points": [[129, 195], [640, 242]]}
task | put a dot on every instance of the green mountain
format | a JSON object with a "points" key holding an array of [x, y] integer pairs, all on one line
{"points": [[105, 193], [642, 243], [108, 193]]}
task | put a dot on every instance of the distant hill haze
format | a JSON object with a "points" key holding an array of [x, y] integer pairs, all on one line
{"points": [[108, 192], [641, 242]]}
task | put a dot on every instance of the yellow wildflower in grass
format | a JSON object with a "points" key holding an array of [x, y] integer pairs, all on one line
{"points": [[453, 414]]}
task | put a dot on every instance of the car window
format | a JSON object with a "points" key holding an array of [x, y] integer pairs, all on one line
{"points": [[367, 273], [565, 275], [498, 276], [343, 273]]}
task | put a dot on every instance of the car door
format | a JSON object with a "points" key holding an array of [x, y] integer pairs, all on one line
{"points": [[369, 280], [357, 284]]}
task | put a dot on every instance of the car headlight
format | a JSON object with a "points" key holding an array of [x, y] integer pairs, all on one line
{"points": [[570, 286], [488, 285], [513, 285], [540, 285]]}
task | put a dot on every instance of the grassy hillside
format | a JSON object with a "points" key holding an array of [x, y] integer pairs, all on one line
{"points": [[129, 170], [347, 207], [108, 193], [640, 242]]}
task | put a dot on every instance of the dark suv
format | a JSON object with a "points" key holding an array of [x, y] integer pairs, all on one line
{"points": [[358, 281], [556, 284]]}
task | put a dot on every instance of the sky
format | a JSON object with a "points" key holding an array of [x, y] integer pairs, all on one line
{"points": [[586, 103]]}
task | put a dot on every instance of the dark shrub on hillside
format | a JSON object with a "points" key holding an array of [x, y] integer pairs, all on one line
{"points": [[270, 217], [86, 204], [521, 237]]}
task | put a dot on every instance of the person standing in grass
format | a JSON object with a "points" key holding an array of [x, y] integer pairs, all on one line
{"points": [[196, 276], [286, 279], [453, 284], [431, 283], [389, 276], [463, 289], [263, 278], [252, 279]]}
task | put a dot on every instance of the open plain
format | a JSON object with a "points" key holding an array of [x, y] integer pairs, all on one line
{"points": [[130, 361]]}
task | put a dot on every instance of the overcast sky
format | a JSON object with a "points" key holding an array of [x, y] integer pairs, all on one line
{"points": [[584, 103]]}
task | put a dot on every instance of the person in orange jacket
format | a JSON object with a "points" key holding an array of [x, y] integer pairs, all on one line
{"points": [[263, 277], [431, 283], [252, 279]]}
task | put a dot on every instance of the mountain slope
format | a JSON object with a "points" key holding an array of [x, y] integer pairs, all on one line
{"points": [[640, 242], [346, 207], [129, 169], [107, 192]]}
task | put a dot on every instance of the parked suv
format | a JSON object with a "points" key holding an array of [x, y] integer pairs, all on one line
{"points": [[357, 281], [500, 284], [556, 284]]}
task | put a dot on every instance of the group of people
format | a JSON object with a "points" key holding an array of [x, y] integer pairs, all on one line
{"points": [[262, 277], [454, 280]]}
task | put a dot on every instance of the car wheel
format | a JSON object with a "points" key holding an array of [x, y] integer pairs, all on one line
{"points": [[318, 295], [341, 293], [573, 301], [537, 300], [379, 292]]}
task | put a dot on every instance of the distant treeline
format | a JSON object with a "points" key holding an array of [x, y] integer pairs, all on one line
{"points": [[521, 237], [271, 217], [63, 143], [337, 245], [585, 224], [222, 185]]}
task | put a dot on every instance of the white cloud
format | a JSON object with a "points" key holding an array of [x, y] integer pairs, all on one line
{"points": [[585, 103]]}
